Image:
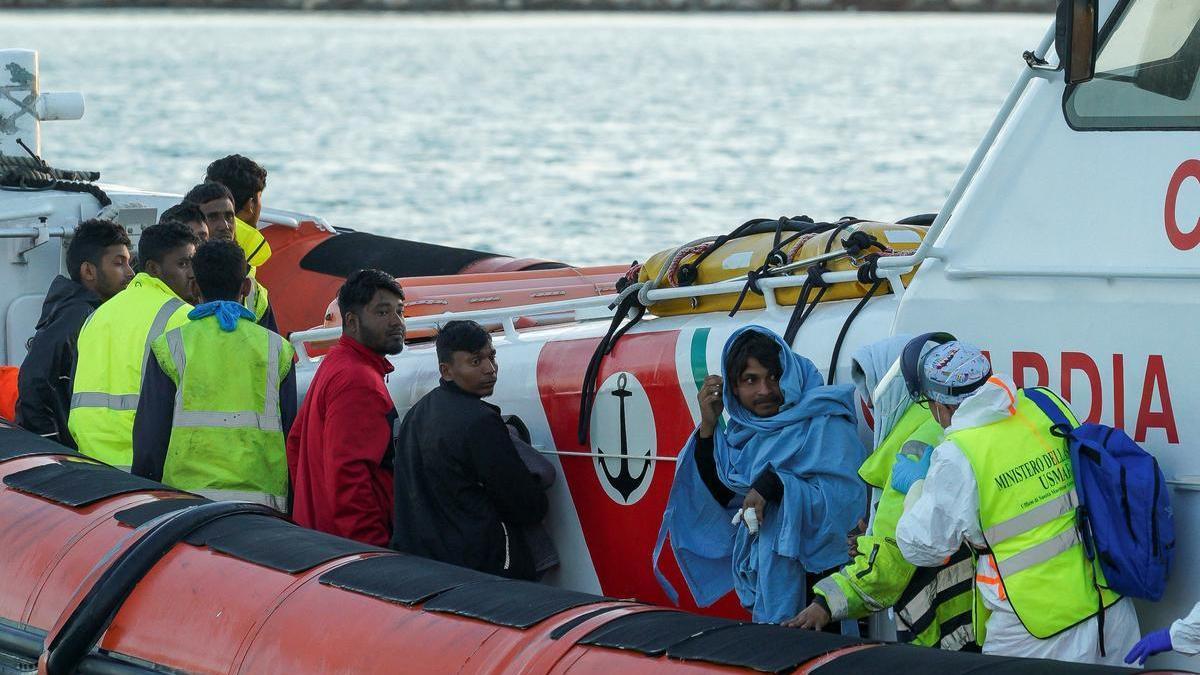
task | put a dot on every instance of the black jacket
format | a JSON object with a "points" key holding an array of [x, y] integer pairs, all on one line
{"points": [[767, 484], [462, 493], [44, 381]]}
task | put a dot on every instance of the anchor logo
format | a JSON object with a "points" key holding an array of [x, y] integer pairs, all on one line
{"points": [[624, 474]]}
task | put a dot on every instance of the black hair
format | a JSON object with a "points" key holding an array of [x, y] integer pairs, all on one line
{"points": [[184, 212], [159, 240], [243, 176], [220, 268], [361, 286], [460, 336], [207, 192], [755, 344], [88, 244]]}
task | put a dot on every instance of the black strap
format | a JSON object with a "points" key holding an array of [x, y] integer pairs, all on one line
{"points": [[859, 242], [774, 258], [689, 273], [804, 306], [256, 250], [587, 393], [837, 346], [751, 285]]}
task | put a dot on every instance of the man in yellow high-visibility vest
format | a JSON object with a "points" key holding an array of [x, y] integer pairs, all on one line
{"points": [[1003, 483], [215, 202], [246, 180], [115, 343], [219, 395]]}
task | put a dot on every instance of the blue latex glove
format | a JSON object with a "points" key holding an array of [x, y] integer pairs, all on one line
{"points": [[908, 470], [1154, 643]]}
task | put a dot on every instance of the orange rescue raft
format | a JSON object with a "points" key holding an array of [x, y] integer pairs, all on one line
{"points": [[107, 572]]}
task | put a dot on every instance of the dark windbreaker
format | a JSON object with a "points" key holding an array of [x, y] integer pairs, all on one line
{"points": [[44, 382], [463, 495]]}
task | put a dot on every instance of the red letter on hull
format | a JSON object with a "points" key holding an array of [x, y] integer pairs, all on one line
{"points": [[1078, 361], [1024, 360], [1184, 241], [1156, 382]]}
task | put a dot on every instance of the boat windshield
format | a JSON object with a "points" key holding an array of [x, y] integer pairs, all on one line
{"points": [[1146, 71]]}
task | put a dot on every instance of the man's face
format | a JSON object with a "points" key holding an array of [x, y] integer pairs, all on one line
{"points": [[114, 272], [200, 228], [758, 390], [176, 271], [473, 372], [380, 325], [218, 214]]}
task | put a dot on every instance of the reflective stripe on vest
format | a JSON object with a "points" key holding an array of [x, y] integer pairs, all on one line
{"points": [[267, 420], [95, 399], [1038, 554], [276, 502], [1040, 515]]}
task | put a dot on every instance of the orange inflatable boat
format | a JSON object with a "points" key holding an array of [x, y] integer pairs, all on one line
{"points": [[104, 572], [309, 262]]}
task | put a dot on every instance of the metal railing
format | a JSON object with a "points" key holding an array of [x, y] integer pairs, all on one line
{"points": [[580, 308], [602, 306]]}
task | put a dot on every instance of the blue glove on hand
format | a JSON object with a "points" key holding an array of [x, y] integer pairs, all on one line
{"points": [[907, 470], [1154, 643]]}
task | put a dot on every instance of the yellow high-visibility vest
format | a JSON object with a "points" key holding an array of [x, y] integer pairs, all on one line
{"points": [[1027, 504], [113, 346], [227, 437]]}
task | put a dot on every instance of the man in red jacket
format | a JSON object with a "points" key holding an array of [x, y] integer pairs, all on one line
{"points": [[340, 448]]}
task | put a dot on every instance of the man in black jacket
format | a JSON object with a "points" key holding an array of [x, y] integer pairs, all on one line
{"points": [[463, 495], [99, 265]]}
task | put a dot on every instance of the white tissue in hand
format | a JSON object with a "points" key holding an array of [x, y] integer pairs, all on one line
{"points": [[751, 517]]}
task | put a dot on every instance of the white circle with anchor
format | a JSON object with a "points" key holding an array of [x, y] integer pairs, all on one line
{"points": [[623, 438]]}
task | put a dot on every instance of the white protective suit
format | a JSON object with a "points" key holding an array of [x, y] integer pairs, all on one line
{"points": [[1185, 633], [943, 510]]}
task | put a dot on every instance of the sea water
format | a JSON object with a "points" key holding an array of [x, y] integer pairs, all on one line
{"points": [[587, 138]]}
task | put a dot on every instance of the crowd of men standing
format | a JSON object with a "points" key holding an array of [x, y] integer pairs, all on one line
{"points": [[168, 364]]}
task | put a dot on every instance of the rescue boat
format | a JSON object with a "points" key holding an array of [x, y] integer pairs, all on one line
{"points": [[1068, 254]]}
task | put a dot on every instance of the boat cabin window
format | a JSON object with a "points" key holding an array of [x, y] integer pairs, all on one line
{"points": [[1146, 71]]}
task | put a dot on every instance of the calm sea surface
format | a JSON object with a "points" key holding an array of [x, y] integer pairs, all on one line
{"points": [[582, 137]]}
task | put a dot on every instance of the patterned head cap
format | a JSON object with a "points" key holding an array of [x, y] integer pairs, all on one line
{"points": [[953, 371]]}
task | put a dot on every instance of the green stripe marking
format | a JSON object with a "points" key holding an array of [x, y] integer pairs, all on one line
{"points": [[699, 360]]}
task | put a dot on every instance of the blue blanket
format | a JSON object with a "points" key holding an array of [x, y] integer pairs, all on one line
{"points": [[812, 445]]}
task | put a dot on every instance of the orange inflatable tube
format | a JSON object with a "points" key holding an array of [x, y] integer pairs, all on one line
{"points": [[109, 573]]}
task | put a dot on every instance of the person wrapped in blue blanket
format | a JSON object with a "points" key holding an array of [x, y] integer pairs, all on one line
{"points": [[767, 501]]}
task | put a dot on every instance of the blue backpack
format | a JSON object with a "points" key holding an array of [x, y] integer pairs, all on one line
{"points": [[1124, 515]]}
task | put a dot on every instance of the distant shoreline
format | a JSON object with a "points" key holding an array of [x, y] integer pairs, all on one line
{"points": [[553, 5]]}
